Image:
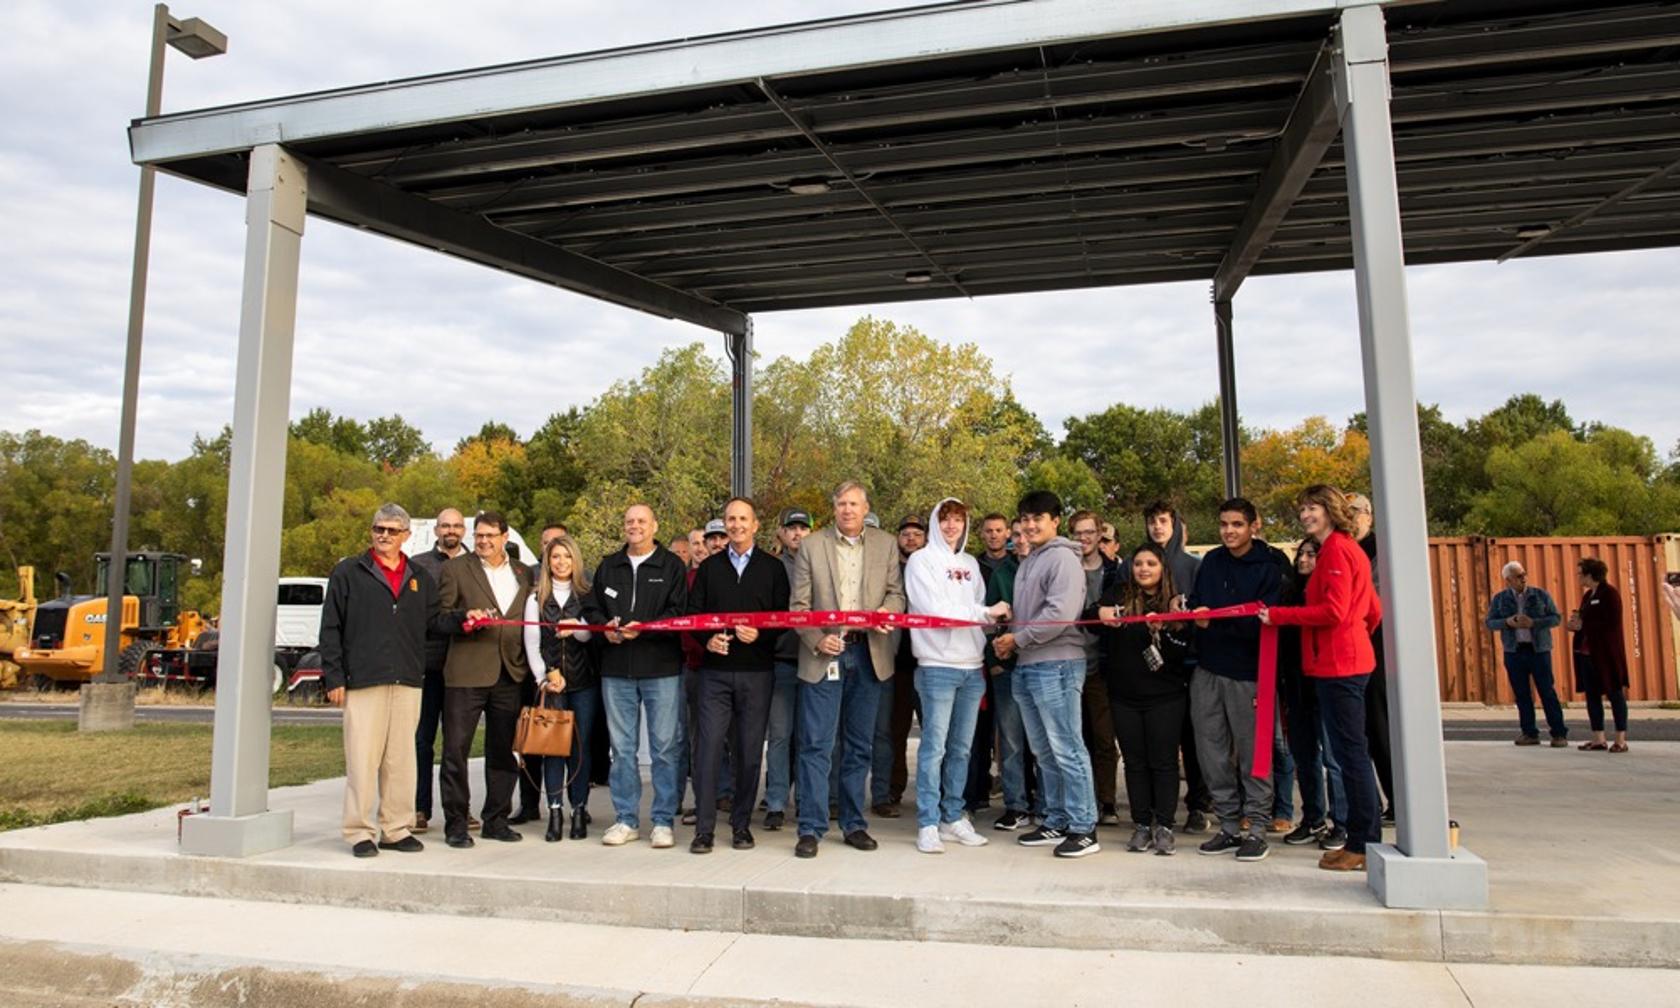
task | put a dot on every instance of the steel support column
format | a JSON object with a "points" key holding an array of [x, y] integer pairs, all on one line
{"points": [[740, 411], [1421, 870], [240, 822], [1230, 433]]}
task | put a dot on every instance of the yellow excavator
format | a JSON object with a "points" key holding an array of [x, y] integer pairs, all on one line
{"points": [[17, 616], [67, 642]]}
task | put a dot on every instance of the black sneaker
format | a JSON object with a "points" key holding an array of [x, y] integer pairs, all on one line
{"points": [[1143, 838], [1222, 843], [1011, 820], [1195, 822], [1110, 816], [774, 820], [1044, 836], [1306, 833], [1253, 848], [1388, 815], [1334, 839], [1078, 845]]}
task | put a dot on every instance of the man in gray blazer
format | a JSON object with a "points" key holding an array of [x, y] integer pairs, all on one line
{"points": [[484, 674], [851, 567]]}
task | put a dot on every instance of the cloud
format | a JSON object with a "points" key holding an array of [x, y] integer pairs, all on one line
{"points": [[387, 328]]}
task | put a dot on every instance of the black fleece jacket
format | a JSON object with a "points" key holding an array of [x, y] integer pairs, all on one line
{"points": [[370, 637], [762, 586]]}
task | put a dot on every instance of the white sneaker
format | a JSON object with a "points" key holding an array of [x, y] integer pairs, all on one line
{"points": [[663, 837], [927, 840], [962, 831], [618, 834]]}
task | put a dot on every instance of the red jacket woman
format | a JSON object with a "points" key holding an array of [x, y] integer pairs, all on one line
{"points": [[1340, 613]]}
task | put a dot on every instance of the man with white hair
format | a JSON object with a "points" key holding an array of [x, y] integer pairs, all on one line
{"points": [[1524, 616]]}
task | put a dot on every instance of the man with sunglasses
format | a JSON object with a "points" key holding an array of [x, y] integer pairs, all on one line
{"points": [[373, 661]]}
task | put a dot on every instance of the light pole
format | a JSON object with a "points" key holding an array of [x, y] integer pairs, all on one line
{"points": [[103, 705]]}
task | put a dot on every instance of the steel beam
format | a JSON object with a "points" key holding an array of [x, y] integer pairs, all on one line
{"points": [[740, 348], [1422, 870], [1624, 193], [361, 202], [240, 821], [1230, 430]]}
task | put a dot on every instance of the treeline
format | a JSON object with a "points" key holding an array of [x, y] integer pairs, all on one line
{"points": [[913, 417]]}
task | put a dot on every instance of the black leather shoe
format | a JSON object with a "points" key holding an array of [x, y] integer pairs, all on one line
{"points": [[458, 840], [408, 845], [743, 840], [861, 840], [580, 824], [524, 815], [504, 834], [774, 820], [365, 848], [806, 847], [701, 844], [556, 825]]}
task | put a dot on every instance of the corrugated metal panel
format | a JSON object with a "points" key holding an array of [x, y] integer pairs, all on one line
{"points": [[1466, 572]]}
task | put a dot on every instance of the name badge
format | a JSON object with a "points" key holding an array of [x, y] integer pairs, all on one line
{"points": [[610, 592]]}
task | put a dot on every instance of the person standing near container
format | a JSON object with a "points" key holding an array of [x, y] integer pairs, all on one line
{"points": [[1601, 667], [1524, 616]]}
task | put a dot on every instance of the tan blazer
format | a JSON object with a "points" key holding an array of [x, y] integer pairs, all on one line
{"points": [[477, 659], [815, 588]]}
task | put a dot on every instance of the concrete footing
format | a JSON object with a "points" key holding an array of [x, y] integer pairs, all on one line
{"points": [[106, 707], [1459, 882], [236, 836]]}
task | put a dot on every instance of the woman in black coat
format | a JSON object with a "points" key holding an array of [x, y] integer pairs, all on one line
{"points": [[1601, 667], [564, 661]]}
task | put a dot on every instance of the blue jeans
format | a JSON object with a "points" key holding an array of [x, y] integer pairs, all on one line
{"points": [[1315, 765], [1049, 694], [1530, 666], [1341, 700], [568, 776], [1012, 748], [778, 775], [826, 710], [880, 750], [1283, 772], [950, 707], [625, 700]]}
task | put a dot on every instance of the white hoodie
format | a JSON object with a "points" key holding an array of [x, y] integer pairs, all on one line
{"points": [[940, 581]]}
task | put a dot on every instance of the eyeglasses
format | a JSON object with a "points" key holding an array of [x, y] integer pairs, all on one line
{"points": [[388, 532], [1085, 533]]}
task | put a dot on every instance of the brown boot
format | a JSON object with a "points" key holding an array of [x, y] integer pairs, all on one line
{"points": [[1342, 860]]}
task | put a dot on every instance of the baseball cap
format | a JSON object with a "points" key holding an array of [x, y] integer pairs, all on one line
{"points": [[913, 520], [715, 527], [872, 520], [795, 516]]}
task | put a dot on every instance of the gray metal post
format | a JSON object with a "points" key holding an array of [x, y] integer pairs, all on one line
{"points": [[1230, 434], [740, 442], [1422, 870], [239, 822]]}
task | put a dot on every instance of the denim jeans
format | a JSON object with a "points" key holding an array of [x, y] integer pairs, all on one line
{"points": [[1049, 694], [625, 701], [950, 706], [881, 749], [1341, 701], [1524, 667], [568, 776], [778, 753], [843, 709], [1283, 772], [1012, 747], [1315, 766]]}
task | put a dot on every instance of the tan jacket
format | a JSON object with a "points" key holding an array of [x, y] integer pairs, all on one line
{"points": [[477, 659], [815, 588]]}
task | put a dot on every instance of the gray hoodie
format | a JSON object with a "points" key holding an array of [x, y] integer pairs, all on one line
{"points": [[1050, 586]]}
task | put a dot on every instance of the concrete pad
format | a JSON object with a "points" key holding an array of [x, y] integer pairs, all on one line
{"points": [[106, 706], [1458, 882]]}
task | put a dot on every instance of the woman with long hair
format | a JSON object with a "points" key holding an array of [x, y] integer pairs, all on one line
{"points": [[564, 662], [1601, 667], [1148, 693], [1337, 616]]}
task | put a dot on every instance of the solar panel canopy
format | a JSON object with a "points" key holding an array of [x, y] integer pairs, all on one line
{"points": [[984, 148]]}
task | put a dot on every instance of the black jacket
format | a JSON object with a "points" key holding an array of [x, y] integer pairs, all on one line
{"points": [[577, 662], [656, 590], [1231, 647], [370, 637], [787, 645], [1125, 668], [761, 587], [437, 644]]}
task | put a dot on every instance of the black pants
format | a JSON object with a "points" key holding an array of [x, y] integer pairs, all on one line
{"points": [[462, 707], [1197, 797], [734, 706], [530, 794], [1596, 689], [1341, 702], [425, 740], [1149, 734], [1376, 723], [600, 745]]}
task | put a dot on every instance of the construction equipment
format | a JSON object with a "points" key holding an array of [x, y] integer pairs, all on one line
{"points": [[16, 617], [67, 641]]}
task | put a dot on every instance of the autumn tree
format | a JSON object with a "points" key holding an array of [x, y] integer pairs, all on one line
{"points": [[1278, 465]]}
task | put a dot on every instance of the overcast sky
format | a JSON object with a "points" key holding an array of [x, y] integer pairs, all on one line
{"points": [[384, 328]]}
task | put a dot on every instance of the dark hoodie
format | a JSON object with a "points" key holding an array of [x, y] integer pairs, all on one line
{"points": [[1231, 647], [1182, 564]]}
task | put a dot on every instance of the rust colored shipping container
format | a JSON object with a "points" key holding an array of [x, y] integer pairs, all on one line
{"points": [[1466, 576]]}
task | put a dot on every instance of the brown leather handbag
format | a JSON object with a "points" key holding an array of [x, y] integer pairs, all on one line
{"points": [[543, 730]]}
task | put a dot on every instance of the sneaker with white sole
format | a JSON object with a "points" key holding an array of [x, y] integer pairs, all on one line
{"points": [[1143, 839], [1044, 836], [1078, 845], [1163, 841], [618, 834], [1012, 820], [663, 837], [927, 840], [962, 831]]}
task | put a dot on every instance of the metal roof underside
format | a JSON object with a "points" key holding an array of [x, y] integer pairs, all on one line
{"points": [[1121, 159]]}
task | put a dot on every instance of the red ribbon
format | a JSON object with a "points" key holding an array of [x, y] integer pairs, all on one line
{"points": [[1265, 705]]}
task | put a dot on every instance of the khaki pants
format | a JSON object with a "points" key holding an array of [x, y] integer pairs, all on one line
{"points": [[379, 762]]}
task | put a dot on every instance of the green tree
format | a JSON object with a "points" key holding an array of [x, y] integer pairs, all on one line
{"points": [[1560, 484], [55, 506], [1068, 478], [1278, 465], [394, 443], [1144, 455], [342, 434]]}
